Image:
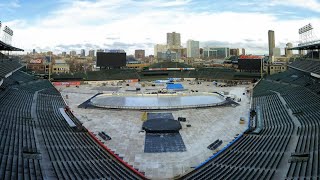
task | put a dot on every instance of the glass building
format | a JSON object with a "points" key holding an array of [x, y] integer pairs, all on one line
{"points": [[216, 52]]}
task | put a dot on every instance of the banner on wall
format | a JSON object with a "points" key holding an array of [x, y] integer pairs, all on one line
{"points": [[132, 80], [73, 83]]}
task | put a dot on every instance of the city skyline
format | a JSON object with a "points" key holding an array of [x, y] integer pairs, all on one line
{"points": [[73, 25]]}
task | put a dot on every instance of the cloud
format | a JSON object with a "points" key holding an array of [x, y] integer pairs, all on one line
{"points": [[248, 40], [10, 4], [129, 24], [306, 4], [173, 3]]}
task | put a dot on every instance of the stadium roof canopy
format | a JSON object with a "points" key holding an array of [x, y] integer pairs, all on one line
{"points": [[7, 47], [307, 47]]}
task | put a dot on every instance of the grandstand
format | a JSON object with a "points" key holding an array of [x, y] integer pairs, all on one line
{"points": [[290, 103], [209, 74], [287, 146], [309, 66], [36, 141], [170, 65], [41, 138]]}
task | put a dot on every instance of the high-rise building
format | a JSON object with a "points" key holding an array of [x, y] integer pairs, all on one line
{"points": [[34, 51], [64, 54], [91, 53], [237, 51], [216, 52], [276, 52], [173, 40], [73, 53], [193, 49], [83, 53], [139, 53], [271, 42], [159, 48], [234, 52], [288, 52], [243, 51]]}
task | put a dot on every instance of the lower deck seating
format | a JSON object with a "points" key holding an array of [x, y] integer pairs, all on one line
{"points": [[253, 156], [18, 158], [32, 130], [258, 156], [299, 78], [307, 159]]}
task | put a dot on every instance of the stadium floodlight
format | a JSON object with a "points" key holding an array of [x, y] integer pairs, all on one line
{"points": [[306, 34], [305, 28], [8, 31]]}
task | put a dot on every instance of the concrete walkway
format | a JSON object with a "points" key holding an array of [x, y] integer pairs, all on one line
{"points": [[46, 167], [284, 165]]}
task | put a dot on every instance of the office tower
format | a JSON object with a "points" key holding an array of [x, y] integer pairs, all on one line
{"points": [[243, 51], [73, 53], [173, 40], [276, 52], [139, 53], [237, 52], [91, 53], [193, 49], [216, 52], [234, 52], [271, 42], [64, 54], [83, 53], [159, 48]]}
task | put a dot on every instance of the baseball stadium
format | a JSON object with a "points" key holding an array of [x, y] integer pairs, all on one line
{"points": [[170, 121]]}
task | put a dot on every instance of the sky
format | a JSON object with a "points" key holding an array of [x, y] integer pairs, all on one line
{"points": [[64, 25]]}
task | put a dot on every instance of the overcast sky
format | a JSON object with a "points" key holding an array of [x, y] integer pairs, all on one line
{"points": [[65, 25]]}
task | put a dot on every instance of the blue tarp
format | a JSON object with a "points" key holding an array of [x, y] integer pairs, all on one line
{"points": [[175, 86], [174, 79], [161, 81]]}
